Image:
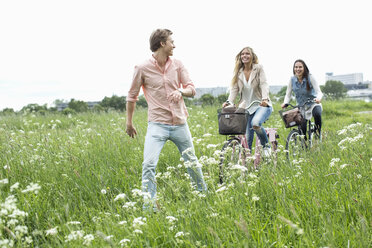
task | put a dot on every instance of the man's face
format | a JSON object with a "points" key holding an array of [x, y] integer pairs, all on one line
{"points": [[169, 46]]}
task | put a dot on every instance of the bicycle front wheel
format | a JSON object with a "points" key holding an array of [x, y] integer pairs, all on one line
{"points": [[295, 144], [231, 159]]}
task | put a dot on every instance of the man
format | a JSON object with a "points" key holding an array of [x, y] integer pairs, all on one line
{"points": [[164, 82]]}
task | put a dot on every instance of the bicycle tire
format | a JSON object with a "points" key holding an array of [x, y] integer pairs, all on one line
{"points": [[295, 144], [231, 154]]}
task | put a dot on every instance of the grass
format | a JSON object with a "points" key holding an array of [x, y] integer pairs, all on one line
{"points": [[83, 162]]}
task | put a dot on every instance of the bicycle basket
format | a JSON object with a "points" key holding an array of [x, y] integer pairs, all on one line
{"points": [[232, 121], [292, 117]]}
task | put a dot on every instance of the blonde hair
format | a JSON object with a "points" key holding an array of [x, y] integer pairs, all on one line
{"points": [[239, 64]]}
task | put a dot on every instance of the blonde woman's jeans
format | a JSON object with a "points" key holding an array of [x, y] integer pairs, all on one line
{"points": [[257, 119]]}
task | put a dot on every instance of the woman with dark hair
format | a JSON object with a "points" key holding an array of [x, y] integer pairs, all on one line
{"points": [[249, 83], [305, 87]]}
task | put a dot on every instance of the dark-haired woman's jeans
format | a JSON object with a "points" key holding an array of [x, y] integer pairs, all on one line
{"points": [[317, 114]]}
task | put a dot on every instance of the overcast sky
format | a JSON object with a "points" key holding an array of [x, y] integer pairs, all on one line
{"points": [[86, 49]]}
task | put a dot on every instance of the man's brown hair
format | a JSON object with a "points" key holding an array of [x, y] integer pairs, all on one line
{"points": [[159, 35]]}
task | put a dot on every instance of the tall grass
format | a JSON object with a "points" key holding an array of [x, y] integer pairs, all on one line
{"points": [[84, 175]]}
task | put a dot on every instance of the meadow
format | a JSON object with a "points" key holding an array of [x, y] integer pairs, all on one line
{"points": [[74, 181]]}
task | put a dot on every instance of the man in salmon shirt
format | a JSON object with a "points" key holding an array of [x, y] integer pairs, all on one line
{"points": [[164, 81]]}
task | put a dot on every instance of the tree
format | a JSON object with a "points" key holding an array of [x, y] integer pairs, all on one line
{"points": [[34, 107], [222, 98], [334, 89], [78, 106], [282, 91], [58, 102], [8, 111], [188, 101], [141, 102], [68, 111], [115, 102], [98, 108], [207, 99]]}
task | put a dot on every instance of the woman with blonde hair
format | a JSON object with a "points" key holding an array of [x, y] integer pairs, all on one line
{"points": [[249, 82]]}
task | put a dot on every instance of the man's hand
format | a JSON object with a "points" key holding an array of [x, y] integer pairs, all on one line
{"points": [[317, 100], [131, 131], [175, 96]]}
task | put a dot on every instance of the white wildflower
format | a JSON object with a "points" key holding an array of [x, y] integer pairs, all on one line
{"points": [[14, 186], [333, 161], [171, 219], [33, 187], [359, 176], [4, 181], [103, 191], [221, 189], [207, 135], [136, 192], [251, 175], [20, 230], [53, 231], [122, 222], [73, 223], [88, 239], [75, 235], [139, 221], [343, 166], [341, 132], [209, 146], [12, 222], [217, 153], [137, 231], [255, 198], [238, 167], [119, 197], [123, 242], [179, 234], [28, 240], [129, 205], [300, 231]]}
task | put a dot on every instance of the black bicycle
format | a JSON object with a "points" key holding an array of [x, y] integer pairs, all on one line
{"points": [[297, 142]]}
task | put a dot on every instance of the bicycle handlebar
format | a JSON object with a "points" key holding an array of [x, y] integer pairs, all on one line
{"points": [[300, 106]]}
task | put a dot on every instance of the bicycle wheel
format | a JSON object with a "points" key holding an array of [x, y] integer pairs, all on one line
{"points": [[295, 144], [231, 159]]}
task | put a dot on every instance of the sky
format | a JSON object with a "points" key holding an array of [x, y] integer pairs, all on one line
{"points": [[87, 49]]}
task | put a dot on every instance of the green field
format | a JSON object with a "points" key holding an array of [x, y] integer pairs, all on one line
{"points": [[73, 181]]}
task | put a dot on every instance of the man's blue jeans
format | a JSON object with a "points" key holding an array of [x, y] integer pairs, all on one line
{"points": [[157, 135], [257, 119]]}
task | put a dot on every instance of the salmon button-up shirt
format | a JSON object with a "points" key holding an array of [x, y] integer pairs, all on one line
{"points": [[157, 86]]}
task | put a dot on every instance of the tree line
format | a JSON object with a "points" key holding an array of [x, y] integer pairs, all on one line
{"points": [[331, 90]]}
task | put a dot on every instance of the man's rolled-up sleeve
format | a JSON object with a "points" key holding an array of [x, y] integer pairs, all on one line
{"points": [[136, 85]]}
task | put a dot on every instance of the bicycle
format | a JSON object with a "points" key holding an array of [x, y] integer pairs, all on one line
{"points": [[235, 152], [296, 141]]}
